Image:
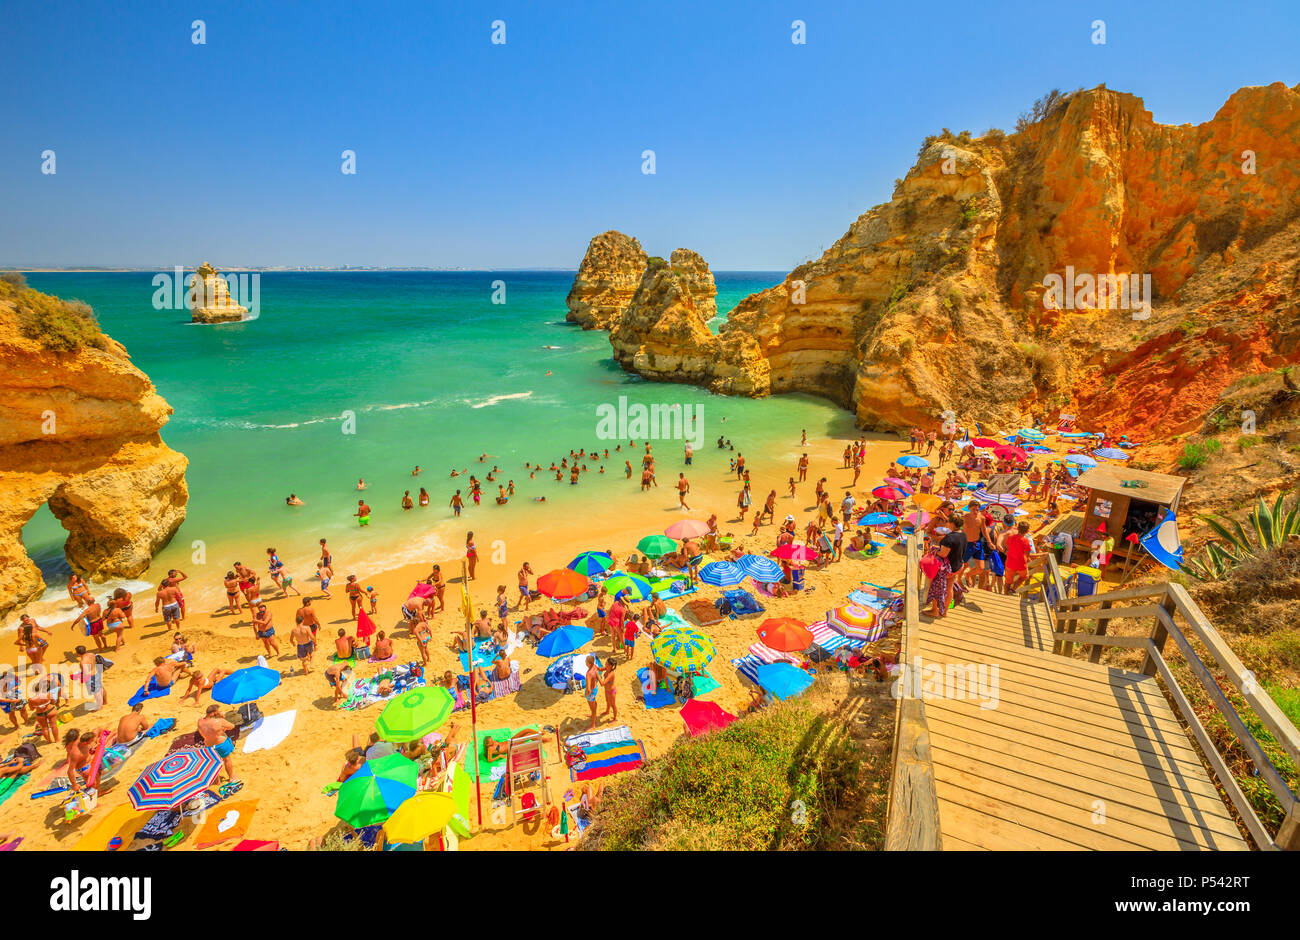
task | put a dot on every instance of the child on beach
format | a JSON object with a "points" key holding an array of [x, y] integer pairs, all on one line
{"points": [[323, 572], [373, 595]]}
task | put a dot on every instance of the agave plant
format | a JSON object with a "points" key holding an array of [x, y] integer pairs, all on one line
{"points": [[1271, 526]]}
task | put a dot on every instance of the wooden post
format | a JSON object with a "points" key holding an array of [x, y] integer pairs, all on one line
{"points": [[468, 604], [1094, 654], [1159, 635]]}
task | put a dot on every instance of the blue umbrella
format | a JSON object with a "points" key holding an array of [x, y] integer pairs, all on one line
{"points": [[1081, 460], [783, 679], [590, 563], [1110, 453], [760, 568], [878, 518], [245, 685], [722, 574], [564, 640], [911, 460]]}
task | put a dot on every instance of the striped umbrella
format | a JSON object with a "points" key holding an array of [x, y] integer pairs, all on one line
{"points": [[175, 779], [722, 574], [878, 518], [785, 634], [415, 713], [687, 529], [912, 460], [1001, 499], [562, 582], [656, 546], [761, 569], [683, 648], [590, 563], [381, 785], [1110, 453], [856, 622], [1080, 460], [631, 586], [898, 484], [1030, 434]]}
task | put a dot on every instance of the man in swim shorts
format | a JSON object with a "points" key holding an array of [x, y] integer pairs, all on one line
{"points": [[592, 689], [167, 598], [362, 513], [305, 643], [214, 730]]}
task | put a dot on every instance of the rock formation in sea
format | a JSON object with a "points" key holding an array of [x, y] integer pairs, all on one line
{"points": [[945, 298], [210, 298], [79, 432], [606, 280]]}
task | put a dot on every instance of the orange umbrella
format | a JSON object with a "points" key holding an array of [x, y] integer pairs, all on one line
{"points": [[928, 501], [785, 634], [563, 582]]}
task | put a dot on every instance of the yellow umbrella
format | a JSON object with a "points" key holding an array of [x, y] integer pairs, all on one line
{"points": [[928, 501], [420, 817]]}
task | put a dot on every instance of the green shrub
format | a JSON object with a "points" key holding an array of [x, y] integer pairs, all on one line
{"points": [[1194, 455], [60, 325]]}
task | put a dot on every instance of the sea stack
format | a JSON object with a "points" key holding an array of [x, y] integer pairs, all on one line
{"points": [[606, 280], [79, 432], [210, 298]]}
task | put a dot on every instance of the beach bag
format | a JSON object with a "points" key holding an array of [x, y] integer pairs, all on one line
{"points": [[996, 564], [930, 565]]}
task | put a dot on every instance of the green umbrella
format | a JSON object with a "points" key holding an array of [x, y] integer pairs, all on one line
{"points": [[634, 587], [415, 713], [656, 546], [371, 794]]}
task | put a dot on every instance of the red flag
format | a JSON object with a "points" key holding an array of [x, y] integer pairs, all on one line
{"points": [[365, 626]]}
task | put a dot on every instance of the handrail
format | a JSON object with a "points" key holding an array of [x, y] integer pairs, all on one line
{"points": [[913, 814], [1164, 601]]}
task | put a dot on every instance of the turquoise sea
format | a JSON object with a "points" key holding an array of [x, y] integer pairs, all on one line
{"points": [[433, 372]]}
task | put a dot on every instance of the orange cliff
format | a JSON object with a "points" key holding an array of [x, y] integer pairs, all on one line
{"points": [[943, 298], [79, 431]]}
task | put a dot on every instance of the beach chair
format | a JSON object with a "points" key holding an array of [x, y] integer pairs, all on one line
{"points": [[526, 773]]}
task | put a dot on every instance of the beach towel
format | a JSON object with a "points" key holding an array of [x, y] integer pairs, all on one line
{"points": [[704, 684], [739, 604], [830, 640], [703, 612], [147, 691], [500, 688], [226, 821], [9, 786], [485, 650], [489, 770], [593, 754], [747, 666], [161, 726], [118, 826], [257, 845], [769, 655], [269, 731], [672, 618], [194, 739], [658, 698], [365, 692]]}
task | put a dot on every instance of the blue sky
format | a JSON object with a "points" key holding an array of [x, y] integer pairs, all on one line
{"points": [[479, 155]]}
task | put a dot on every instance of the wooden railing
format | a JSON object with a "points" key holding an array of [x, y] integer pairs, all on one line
{"points": [[1164, 604], [913, 819]]}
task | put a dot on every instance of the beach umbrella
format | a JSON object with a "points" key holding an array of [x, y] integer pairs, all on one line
{"points": [[855, 622], [722, 574], [1030, 434], [562, 582], [176, 778], [783, 680], [420, 817], [590, 563], [985, 442], [421, 591], [245, 685], [761, 569], [687, 529], [917, 519], [682, 648], [1080, 460], [792, 552], [378, 787], [878, 518], [912, 460], [1000, 499], [1009, 453], [632, 586], [702, 717], [898, 484], [365, 626], [415, 713], [888, 492], [1110, 453], [656, 546], [564, 640], [928, 501], [785, 634]]}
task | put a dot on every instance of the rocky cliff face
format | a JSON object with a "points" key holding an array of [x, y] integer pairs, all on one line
{"points": [[79, 432], [606, 280], [210, 298], [942, 298]]}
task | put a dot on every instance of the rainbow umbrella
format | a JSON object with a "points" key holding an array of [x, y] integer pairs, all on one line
{"points": [[687, 529], [785, 634], [656, 546], [722, 574], [590, 563], [898, 484], [912, 460], [878, 518], [888, 492], [761, 569], [632, 586], [176, 778], [917, 519], [702, 717], [420, 817], [683, 648], [415, 713], [378, 788], [562, 582], [859, 623]]}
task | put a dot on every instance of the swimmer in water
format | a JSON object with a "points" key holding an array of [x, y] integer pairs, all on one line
{"points": [[292, 500], [361, 484]]}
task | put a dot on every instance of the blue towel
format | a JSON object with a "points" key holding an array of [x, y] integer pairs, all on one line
{"points": [[161, 726], [655, 699], [485, 650], [147, 691]]}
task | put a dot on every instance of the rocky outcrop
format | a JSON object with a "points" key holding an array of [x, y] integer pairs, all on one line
{"points": [[79, 431], [942, 298], [210, 298], [606, 280]]}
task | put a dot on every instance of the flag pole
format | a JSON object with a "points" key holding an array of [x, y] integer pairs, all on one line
{"points": [[467, 607]]}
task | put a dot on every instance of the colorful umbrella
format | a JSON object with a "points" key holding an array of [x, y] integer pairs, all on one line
{"points": [[859, 623], [365, 626], [420, 817], [564, 640], [1080, 460], [1009, 453], [783, 679], [917, 519], [761, 569], [245, 685], [722, 574], [702, 717], [1000, 499], [912, 460], [415, 713], [1030, 434], [562, 582], [683, 648], [687, 529], [985, 442], [785, 634], [590, 563], [898, 484], [928, 501], [632, 586], [371, 794], [888, 492], [1110, 453], [878, 518], [796, 553], [656, 546], [175, 779]]}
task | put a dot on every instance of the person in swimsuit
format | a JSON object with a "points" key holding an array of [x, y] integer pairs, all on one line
{"points": [[232, 593], [199, 683], [168, 599], [324, 574], [978, 541], [30, 640], [123, 600], [214, 730], [115, 621], [305, 644], [471, 555], [264, 629], [337, 676], [44, 702], [362, 513], [292, 500], [131, 725], [592, 689], [439, 586], [78, 590], [354, 592], [11, 698], [424, 497]]}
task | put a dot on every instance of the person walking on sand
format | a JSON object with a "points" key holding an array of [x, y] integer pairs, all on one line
{"points": [[264, 630], [439, 587], [471, 555], [592, 689], [304, 642], [215, 731], [683, 487], [803, 468], [525, 596], [78, 590], [354, 592], [166, 598]]}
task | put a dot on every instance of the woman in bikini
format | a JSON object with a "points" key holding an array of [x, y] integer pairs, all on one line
{"points": [[45, 706], [30, 640], [78, 590], [115, 621], [471, 555], [123, 601], [232, 593]]}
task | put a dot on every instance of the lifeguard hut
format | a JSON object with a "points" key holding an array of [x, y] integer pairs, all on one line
{"points": [[1124, 501]]}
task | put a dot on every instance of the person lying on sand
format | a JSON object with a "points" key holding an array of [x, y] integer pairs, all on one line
{"points": [[167, 671], [354, 758], [23, 759], [199, 683]]}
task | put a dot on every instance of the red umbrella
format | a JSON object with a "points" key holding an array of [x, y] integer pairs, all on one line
{"points": [[985, 442], [365, 626], [1010, 453], [888, 492], [785, 634], [793, 552], [702, 717], [563, 582]]}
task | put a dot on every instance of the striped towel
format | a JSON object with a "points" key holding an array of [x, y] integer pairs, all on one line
{"points": [[766, 654], [831, 640], [747, 666]]}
